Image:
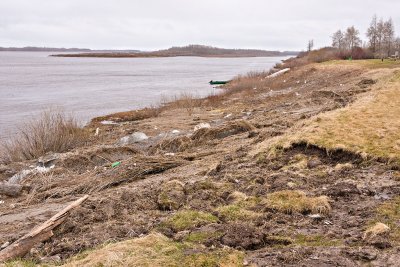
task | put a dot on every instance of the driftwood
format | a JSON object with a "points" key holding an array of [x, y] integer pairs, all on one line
{"points": [[39, 234], [11, 190]]}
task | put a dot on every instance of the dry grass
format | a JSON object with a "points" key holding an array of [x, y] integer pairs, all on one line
{"points": [[288, 201], [53, 131], [375, 230], [368, 127], [389, 214], [134, 115], [223, 131], [156, 250], [185, 100]]}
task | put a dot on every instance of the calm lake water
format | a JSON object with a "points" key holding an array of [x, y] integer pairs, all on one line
{"points": [[31, 82]]}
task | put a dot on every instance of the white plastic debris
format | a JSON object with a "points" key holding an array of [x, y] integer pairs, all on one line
{"points": [[276, 74], [136, 137], [169, 154], [201, 126], [228, 116], [175, 131], [108, 122], [1, 201], [97, 131]]}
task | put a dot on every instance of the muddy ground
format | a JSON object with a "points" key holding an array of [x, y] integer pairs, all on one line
{"points": [[214, 170]]}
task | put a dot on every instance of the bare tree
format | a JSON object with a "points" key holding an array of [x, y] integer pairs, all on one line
{"points": [[379, 37], [338, 40], [372, 34], [310, 45], [352, 38], [388, 36]]}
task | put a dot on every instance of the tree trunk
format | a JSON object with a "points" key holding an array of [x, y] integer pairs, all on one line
{"points": [[39, 234]]}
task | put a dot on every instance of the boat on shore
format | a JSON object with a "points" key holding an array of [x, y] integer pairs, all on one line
{"points": [[218, 82]]}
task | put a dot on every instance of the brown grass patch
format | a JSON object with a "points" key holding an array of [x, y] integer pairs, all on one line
{"points": [[53, 131], [229, 129], [134, 115], [368, 127], [288, 201]]}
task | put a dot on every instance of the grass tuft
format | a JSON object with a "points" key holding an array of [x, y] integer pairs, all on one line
{"points": [[53, 131], [288, 201]]}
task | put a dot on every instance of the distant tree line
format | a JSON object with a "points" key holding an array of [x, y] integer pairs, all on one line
{"points": [[381, 41]]}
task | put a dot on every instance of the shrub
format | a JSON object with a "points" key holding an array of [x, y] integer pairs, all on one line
{"points": [[53, 131]]}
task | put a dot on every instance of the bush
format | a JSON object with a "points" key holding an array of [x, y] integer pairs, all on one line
{"points": [[53, 131]]}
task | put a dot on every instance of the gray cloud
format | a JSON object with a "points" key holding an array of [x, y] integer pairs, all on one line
{"points": [[155, 24]]}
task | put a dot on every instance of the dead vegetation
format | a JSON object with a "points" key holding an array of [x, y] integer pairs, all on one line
{"points": [[297, 201], [134, 115], [215, 190], [53, 131]]}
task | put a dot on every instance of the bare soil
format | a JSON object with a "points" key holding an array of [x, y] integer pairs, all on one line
{"points": [[213, 164]]}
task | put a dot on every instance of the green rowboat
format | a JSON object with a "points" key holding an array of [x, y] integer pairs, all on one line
{"points": [[218, 82]]}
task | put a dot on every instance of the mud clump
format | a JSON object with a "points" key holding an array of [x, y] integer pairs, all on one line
{"points": [[172, 195], [366, 82], [245, 236]]}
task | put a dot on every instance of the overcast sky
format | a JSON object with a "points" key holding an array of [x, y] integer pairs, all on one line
{"points": [[157, 24]]}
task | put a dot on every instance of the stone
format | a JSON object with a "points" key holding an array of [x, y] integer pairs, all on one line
{"points": [[313, 163]]}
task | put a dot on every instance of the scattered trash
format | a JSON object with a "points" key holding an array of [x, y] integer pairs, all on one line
{"points": [[6, 244], [228, 116], [276, 74], [176, 131], [297, 94], [115, 164], [315, 216], [201, 126], [328, 222], [108, 122], [382, 196], [1, 201], [97, 131], [169, 154], [136, 137]]}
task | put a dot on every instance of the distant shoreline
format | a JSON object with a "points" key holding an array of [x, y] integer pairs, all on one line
{"points": [[186, 51]]}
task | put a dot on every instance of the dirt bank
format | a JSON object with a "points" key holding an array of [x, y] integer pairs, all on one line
{"points": [[220, 190]]}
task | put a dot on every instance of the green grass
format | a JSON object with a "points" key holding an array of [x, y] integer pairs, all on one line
{"points": [[389, 214], [188, 219]]}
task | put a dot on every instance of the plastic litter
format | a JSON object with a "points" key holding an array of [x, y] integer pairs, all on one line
{"points": [[115, 164]]}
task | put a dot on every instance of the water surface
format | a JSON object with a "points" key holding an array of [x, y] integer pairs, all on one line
{"points": [[32, 81]]}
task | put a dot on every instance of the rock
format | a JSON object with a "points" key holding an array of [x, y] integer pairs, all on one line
{"points": [[172, 195], [15, 179], [363, 254], [201, 126], [343, 189], [136, 137], [51, 259], [313, 163], [48, 160]]}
